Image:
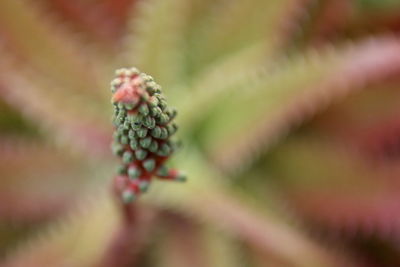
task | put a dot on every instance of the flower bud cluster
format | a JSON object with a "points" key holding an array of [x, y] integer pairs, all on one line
{"points": [[143, 129]]}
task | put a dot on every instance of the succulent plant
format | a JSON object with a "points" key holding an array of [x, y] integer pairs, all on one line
{"points": [[143, 133], [288, 112]]}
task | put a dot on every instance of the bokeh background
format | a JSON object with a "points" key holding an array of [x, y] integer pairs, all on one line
{"points": [[289, 115]]}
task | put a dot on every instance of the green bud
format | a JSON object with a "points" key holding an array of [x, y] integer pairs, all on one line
{"points": [[134, 172], [149, 122], [150, 87], [127, 157], [128, 196], [131, 134], [121, 130], [119, 119], [142, 132], [116, 111], [164, 133], [126, 124], [162, 171], [115, 84], [156, 111], [147, 78], [164, 150], [153, 102], [171, 128], [124, 140], [121, 112], [134, 144], [130, 118], [144, 97], [134, 71], [162, 104], [145, 142], [144, 109], [156, 132], [136, 122], [140, 154], [157, 88], [153, 146], [117, 149], [151, 83], [150, 90], [129, 106], [164, 119], [144, 186], [149, 164], [181, 177], [172, 113], [121, 169]]}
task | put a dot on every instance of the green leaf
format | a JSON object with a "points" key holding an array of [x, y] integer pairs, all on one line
{"points": [[252, 118], [236, 24], [217, 80], [157, 40]]}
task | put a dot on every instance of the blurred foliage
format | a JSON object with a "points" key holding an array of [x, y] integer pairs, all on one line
{"points": [[11, 122], [288, 112], [380, 4]]}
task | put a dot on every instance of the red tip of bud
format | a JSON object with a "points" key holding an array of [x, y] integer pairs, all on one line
{"points": [[126, 95], [118, 96], [128, 92]]}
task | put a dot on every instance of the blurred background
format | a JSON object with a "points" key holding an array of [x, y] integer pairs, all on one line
{"points": [[289, 115]]}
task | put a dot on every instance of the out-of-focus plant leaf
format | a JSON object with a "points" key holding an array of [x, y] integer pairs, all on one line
{"points": [[196, 200], [11, 122], [373, 4], [80, 230], [243, 74], [88, 17], [359, 137], [291, 94], [157, 44], [78, 124], [358, 198], [37, 43], [183, 245], [217, 36], [37, 190]]}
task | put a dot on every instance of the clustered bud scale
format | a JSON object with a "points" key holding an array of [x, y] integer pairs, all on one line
{"points": [[143, 129]]}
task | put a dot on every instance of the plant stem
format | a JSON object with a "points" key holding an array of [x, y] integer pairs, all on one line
{"points": [[122, 247]]}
